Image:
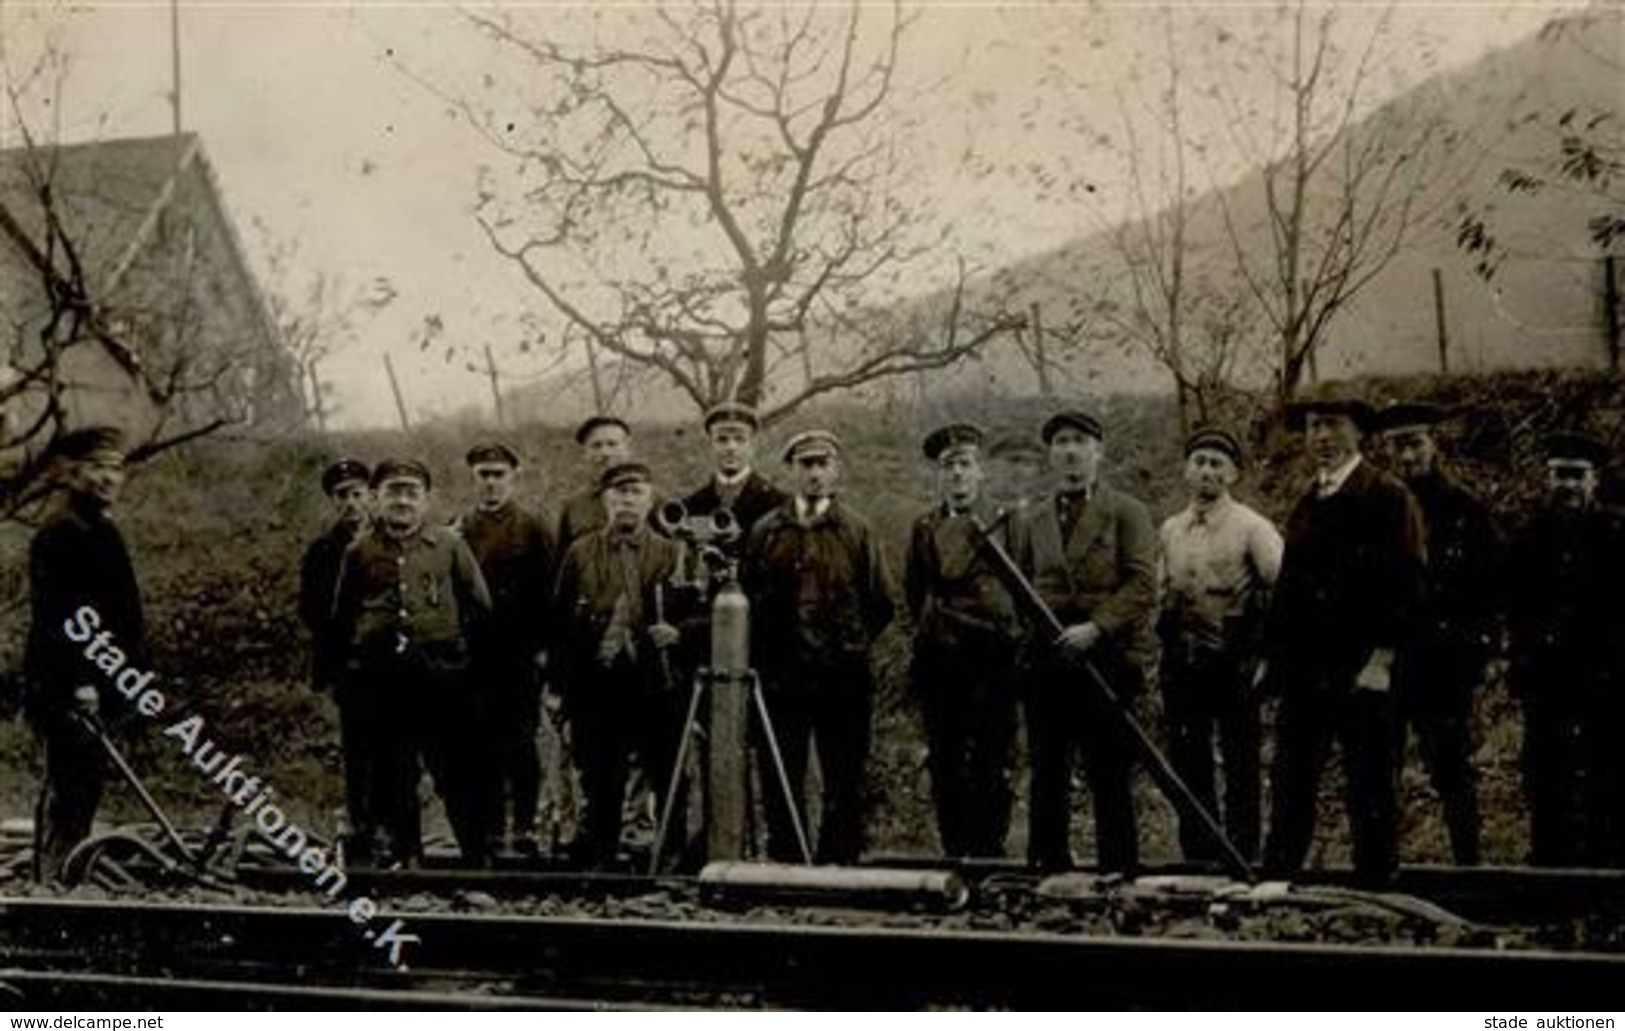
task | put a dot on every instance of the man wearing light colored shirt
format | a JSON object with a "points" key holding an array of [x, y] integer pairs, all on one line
{"points": [[1219, 560]]}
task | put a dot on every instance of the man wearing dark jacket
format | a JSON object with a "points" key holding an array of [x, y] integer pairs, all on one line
{"points": [[967, 636], [77, 561], [517, 557], [615, 653], [345, 483], [605, 441], [1091, 553], [735, 486], [1568, 661], [820, 595], [1436, 675], [412, 608], [1350, 586]]}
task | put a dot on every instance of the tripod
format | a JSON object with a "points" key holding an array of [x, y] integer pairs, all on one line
{"points": [[722, 683]]}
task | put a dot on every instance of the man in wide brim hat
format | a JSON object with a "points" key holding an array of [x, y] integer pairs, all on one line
{"points": [[1359, 411]]}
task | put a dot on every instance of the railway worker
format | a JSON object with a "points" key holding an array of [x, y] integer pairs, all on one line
{"points": [[1351, 581], [517, 556], [820, 595], [1564, 570], [412, 608], [735, 485], [346, 483], [1220, 559], [615, 655], [967, 635], [1090, 551], [1016, 470], [77, 559], [1436, 674], [605, 440]]}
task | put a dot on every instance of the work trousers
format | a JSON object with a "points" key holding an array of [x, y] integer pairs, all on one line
{"points": [[966, 692], [427, 716], [1207, 695], [70, 794], [1067, 712], [515, 710], [1435, 698], [1314, 712], [1573, 779], [828, 703], [615, 712]]}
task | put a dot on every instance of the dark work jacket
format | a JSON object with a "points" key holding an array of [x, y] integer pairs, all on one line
{"points": [[757, 497], [1563, 584], [517, 556], [583, 513], [1464, 578], [1104, 573], [78, 558], [420, 598], [953, 589], [1351, 578], [318, 582], [590, 580], [820, 594]]}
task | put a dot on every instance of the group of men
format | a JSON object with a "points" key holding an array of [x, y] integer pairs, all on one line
{"points": [[1376, 607]]}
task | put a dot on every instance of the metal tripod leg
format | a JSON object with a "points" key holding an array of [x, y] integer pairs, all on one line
{"points": [[669, 803], [778, 767]]}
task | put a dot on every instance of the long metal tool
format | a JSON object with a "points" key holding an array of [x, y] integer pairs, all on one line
{"points": [[1162, 771], [99, 731]]}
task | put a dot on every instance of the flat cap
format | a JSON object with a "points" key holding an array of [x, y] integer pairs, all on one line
{"points": [[623, 473], [596, 421], [401, 468], [812, 442], [1576, 447], [492, 451], [1214, 438], [1357, 409], [1410, 413], [343, 471], [1074, 419], [732, 411], [954, 436], [1015, 443], [79, 444]]}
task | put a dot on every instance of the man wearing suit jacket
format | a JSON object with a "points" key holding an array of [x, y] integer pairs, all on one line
{"points": [[735, 486], [1350, 586], [1091, 553]]}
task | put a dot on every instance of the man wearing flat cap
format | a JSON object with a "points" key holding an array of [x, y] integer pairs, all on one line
{"points": [[1347, 599], [412, 608], [735, 485], [1090, 551], [515, 550], [1437, 672], [1220, 559], [346, 482], [1015, 469], [605, 440], [77, 560], [614, 648], [967, 639], [820, 595], [1568, 660]]}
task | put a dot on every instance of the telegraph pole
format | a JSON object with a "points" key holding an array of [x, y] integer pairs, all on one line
{"points": [[395, 388]]}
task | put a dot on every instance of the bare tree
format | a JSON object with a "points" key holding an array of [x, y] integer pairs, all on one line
{"points": [[57, 312], [1341, 187], [696, 197]]}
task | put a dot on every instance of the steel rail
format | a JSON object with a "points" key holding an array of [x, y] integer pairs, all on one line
{"points": [[801, 966]]}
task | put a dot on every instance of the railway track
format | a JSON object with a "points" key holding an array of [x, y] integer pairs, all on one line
{"points": [[263, 957]]}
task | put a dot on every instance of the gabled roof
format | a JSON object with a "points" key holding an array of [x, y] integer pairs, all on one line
{"points": [[109, 195]]}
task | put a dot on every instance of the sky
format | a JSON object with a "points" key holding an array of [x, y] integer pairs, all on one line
{"points": [[330, 148]]}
